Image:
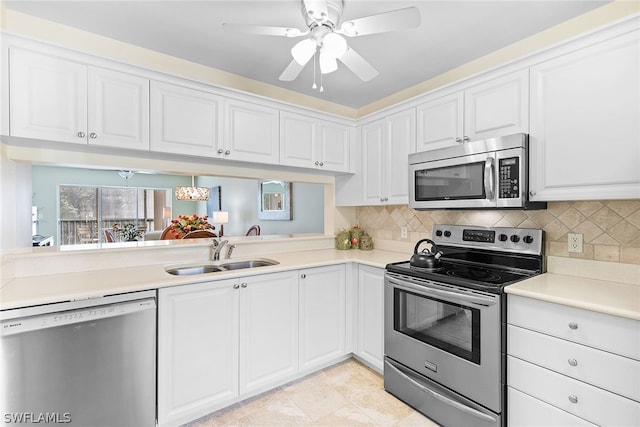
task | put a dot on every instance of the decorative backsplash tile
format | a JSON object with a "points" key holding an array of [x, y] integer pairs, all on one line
{"points": [[610, 229]]}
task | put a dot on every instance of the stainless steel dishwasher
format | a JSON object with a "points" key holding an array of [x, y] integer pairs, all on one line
{"points": [[81, 363]]}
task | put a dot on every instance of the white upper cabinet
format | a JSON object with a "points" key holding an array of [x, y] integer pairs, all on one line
{"points": [[59, 100], [313, 143], [585, 126], [185, 120], [493, 108], [386, 144], [251, 133]]}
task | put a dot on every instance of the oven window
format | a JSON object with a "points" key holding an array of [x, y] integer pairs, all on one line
{"points": [[450, 327], [450, 183]]}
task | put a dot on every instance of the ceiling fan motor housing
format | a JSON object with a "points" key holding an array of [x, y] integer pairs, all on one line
{"points": [[314, 19]]}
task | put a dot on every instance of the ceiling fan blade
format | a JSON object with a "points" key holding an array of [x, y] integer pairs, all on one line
{"points": [[291, 72], [401, 19], [316, 9], [358, 65], [264, 30]]}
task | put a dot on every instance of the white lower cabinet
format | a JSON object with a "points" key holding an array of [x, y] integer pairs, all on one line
{"points": [[568, 366], [370, 316], [323, 315], [223, 339]]}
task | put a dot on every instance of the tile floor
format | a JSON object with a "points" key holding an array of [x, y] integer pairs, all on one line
{"points": [[347, 394]]}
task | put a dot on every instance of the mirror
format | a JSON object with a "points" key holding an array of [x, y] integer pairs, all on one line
{"points": [[274, 200]]}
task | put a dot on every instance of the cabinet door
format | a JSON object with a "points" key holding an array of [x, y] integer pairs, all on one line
{"points": [[497, 107], [371, 315], [197, 349], [118, 109], [48, 98], [333, 147], [373, 140], [584, 123], [268, 330], [185, 120], [440, 122], [297, 140], [252, 133], [322, 316], [400, 141]]}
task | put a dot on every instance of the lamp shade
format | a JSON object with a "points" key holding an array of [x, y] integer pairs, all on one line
{"points": [[193, 193], [303, 51], [220, 217]]}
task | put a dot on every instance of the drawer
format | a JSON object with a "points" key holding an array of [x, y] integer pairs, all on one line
{"points": [[615, 373], [582, 400], [526, 411], [610, 333]]}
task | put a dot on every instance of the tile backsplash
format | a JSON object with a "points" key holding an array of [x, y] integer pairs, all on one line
{"points": [[610, 229]]}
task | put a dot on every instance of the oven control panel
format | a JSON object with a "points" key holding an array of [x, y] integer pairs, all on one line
{"points": [[508, 239]]}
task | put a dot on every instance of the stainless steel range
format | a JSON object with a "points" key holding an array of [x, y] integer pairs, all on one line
{"points": [[445, 317]]}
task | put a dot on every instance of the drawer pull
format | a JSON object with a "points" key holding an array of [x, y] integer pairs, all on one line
{"points": [[573, 325], [573, 362], [573, 399]]}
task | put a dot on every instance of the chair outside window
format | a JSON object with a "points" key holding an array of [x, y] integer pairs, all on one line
{"points": [[108, 236], [85, 235], [254, 230]]}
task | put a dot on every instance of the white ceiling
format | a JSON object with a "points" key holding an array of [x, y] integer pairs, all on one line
{"points": [[451, 33]]}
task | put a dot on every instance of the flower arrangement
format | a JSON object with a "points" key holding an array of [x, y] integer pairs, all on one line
{"points": [[129, 232], [187, 223]]}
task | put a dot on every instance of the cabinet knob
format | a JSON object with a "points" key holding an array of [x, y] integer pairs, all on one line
{"points": [[93, 135], [321, 163], [458, 139], [244, 285], [532, 193], [573, 325], [236, 286], [227, 152], [220, 151], [573, 362], [466, 139], [81, 135], [317, 163], [303, 276], [573, 398]]}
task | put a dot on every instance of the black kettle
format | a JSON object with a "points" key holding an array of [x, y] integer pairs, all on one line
{"points": [[427, 258]]}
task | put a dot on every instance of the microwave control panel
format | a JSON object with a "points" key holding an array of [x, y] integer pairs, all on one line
{"points": [[509, 184]]}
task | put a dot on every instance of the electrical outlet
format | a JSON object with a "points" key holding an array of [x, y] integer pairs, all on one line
{"points": [[403, 232], [575, 243]]}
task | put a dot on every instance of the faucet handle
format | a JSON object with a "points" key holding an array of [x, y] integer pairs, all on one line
{"points": [[230, 249]]}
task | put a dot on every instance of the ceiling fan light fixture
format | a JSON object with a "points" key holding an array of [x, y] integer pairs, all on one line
{"points": [[334, 44], [328, 63], [303, 51]]}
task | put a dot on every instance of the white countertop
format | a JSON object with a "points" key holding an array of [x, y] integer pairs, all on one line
{"points": [[618, 299], [28, 291]]}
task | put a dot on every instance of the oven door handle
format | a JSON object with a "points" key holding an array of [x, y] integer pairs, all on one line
{"points": [[443, 398], [471, 299]]}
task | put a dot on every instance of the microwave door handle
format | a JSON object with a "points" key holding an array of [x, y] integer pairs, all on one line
{"points": [[459, 297], [489, 178], [443, 398]]}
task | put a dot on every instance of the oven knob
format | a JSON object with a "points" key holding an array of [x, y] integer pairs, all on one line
{"points": [[447, 233], [438, 233], [527, 239], [503, 237], [515, 239]]}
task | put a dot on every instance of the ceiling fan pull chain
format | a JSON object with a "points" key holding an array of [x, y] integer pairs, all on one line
{"points": [[321, 87], [314, 86]]}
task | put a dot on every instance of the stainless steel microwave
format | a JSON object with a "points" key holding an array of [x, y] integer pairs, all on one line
{"points": [[486, 174]]}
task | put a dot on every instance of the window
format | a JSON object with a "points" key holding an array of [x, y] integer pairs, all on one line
{"points": [[85, 212]]}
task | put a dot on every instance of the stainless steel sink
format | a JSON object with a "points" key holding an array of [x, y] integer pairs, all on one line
{"points": [[238, 265], [189, 270]]}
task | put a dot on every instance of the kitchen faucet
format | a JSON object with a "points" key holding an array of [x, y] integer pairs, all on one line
{"points": [[217, 247]]}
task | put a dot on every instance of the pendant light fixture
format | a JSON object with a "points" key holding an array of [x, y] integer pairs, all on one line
{"points": [[196, 194]]}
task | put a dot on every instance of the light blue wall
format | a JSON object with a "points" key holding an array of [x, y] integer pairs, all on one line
{"points": [[239, 198]]}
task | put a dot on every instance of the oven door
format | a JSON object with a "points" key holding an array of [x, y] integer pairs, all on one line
{"points": [[460, 182], [448, 334]]}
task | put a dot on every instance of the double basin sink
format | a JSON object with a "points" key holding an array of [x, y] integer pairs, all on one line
{"points": [[189, 270]]}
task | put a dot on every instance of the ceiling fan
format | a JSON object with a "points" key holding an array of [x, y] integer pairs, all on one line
{"points": [[325, 32]]}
